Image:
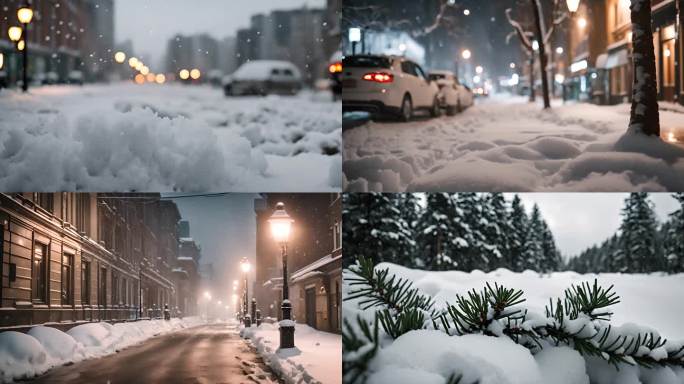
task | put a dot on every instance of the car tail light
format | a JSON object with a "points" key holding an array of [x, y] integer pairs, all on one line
{"points": [[335, 68], [379, 77]]}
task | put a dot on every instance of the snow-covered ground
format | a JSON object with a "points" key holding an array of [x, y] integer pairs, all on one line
{"points": [[507, 144], [172, 137], [429, 356], [317, 358], [28, 355]]}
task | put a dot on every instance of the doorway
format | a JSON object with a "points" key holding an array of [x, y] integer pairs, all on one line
{"points": [[310, 305]]}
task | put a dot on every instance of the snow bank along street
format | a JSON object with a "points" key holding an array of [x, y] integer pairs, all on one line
{"points": [[507, 144], [316, 358], [172, 137], [647, 303], [28, 355]]}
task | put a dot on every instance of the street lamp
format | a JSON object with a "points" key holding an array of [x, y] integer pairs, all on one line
{"points": [[466, 54], [281, 223], [120, 57], [184, 74], [25, 15], [195, 74], [245, 266], [573, 5]]}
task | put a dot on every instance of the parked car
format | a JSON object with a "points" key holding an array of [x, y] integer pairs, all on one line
{"points": [[51, 78], [454, 96], [215, 77], [76, 77], [264, 77], [387, 84], [335, 71]]}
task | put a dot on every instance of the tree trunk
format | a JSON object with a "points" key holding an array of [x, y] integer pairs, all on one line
{"points": [[543, 60], [532, 94], [644, 118]]}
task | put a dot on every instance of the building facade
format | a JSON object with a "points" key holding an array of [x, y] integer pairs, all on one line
{"points": [[314, 259], [600, 69], [64, 36], [86, 257]]}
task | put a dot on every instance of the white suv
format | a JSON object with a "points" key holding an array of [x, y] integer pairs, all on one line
{"points": [[387, 84], [454, 96]]}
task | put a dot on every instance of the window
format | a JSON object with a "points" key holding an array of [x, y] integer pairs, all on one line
{"points": [[115, 289], [419, 72], [407, 67], [337, 235], [44, 200], [67, 279], [668, 52], [82, 212], [85, 282], [124, 292], [39, 273], [102, 292], [622, 12]]}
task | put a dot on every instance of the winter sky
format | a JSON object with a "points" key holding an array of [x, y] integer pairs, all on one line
{"points": [[224, 226], [580, 220], [151, 23]]}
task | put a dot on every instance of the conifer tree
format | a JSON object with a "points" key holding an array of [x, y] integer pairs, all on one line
{"points": [[518, 235], [533, 254], [639, 235], [471, 246], [436, 234], [496, 229], [551, 260], [674, 238]]}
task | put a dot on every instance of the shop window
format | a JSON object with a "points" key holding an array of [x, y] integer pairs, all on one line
{"points": [[668, 52], [656, 45]]}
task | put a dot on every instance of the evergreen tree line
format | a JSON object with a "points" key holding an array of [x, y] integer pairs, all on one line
{"points": [[442, 231], [641, 244]]}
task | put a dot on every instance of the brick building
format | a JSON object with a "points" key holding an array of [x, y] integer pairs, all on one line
{"points": [[314, 259], [86, 256]]}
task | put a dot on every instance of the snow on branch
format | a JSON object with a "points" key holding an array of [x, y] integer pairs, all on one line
{"points": [[520, 32]]}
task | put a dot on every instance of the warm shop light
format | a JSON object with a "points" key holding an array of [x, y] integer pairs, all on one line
{"points": [[160, 78], [120, 57], [184, 74], [151, 77], [195, 74], [2, 60], [582, 22], [139, 79], [21, 45], [671, 137]]}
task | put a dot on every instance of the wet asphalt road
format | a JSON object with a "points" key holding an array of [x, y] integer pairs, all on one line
{"points": [[206, 354]]}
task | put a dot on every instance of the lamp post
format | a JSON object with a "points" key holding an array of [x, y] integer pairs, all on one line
{"points": [[245, 266], [573, 7], [281, 224], [25, 15]]}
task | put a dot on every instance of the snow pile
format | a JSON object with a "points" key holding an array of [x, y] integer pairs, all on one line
{"points": [[432, 356], [315, 359], [170, 138], [509, 145], [28, 355]]}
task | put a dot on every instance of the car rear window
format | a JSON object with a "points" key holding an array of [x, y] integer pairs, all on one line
{"points": [[366, 62], [437, 76]]}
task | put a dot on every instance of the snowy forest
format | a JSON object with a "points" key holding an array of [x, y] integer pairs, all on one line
{"points": [[486, 231], [641, 244]]}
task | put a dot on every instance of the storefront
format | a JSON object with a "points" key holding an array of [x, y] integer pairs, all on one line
{"points": [[666, 50], [615, 70]]}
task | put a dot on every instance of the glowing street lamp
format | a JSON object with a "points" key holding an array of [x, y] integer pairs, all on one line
{"points": [[144, 70], [160, 78], [184, 74], [25, 15], [120, 57], [15, 33], [133, 62], [582, 22], [245, 266], [195, 74], [281, 225], [207, 295], [573, 5], [466, 54]]}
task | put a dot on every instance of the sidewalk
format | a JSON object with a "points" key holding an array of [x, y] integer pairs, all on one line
{"points": [[317, 357]]}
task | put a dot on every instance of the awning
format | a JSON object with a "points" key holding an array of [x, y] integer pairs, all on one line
{"points": [[613, 59]]}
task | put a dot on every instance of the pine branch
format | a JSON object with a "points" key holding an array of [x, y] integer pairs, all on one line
{"points": [[379, 288], [359, 349]]}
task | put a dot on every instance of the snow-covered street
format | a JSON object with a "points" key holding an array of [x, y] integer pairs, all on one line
{"points": [[506, 144], [315, 360], [170, 137], [212, 353]]}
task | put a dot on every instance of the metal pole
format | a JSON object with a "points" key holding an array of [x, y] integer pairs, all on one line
{"points": [[24, 85], [286, 326]]}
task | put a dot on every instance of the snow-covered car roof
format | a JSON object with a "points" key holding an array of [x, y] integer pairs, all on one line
{"points": [[261, 69], [441, 72]]}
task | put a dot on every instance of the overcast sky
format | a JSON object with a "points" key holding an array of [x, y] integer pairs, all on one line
{"points": [[151, 23], [580, 220]]}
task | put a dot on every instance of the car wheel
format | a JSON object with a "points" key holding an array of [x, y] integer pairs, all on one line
{"points": [[406, 112], [459, 107], [451, 110], [435, 110]]}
